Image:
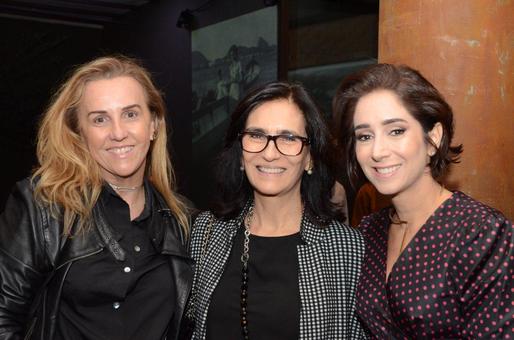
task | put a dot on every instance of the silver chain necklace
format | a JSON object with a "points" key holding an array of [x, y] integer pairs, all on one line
{"points": [[244, 273], [245, 256], [122, 188]]}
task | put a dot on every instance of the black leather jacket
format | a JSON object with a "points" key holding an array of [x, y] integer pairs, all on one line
{"points": [[35, 258]]}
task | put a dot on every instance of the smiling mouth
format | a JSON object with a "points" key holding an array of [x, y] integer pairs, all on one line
{"points": [[388, 170], [121, 150], [268, 170]]}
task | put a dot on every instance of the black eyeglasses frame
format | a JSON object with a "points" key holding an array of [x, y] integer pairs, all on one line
{"points": [[304, 140]]}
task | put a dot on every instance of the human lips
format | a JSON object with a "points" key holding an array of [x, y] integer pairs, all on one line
{"points": [[387, 171], [270, 170], [120, 150]]}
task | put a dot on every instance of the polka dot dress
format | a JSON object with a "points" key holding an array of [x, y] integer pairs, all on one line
{"points": [[455, 279]]}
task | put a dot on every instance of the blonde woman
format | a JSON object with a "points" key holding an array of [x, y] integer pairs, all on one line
{"points": [[92, 245]]}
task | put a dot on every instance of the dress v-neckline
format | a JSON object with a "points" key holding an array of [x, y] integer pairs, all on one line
{"points": [[409, 245]]}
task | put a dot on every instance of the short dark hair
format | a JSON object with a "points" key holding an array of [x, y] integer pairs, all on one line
{"points": [[421, 99], [316, 189]]}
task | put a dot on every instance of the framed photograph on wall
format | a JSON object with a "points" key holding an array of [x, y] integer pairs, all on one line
{"points": [[322, 81], [228, 58]]}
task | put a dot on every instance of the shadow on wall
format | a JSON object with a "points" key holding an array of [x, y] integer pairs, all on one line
{"points": [[35, 59]]}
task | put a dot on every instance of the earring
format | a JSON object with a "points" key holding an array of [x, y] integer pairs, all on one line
{"points": [[242, 167], [431, 152], [154, 135], [309, 171]]}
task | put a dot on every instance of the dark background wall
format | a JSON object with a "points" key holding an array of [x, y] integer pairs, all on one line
{"points": [[36, 56], [151, 34]]}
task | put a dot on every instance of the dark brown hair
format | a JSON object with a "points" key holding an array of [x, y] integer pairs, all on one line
{"points": [[316, 189], [421, 99]]}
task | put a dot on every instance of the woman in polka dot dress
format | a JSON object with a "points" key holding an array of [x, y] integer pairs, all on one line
{"points": [[439, 264]]}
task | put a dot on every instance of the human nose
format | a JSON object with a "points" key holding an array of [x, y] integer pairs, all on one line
{"points": [[118, 130], [379, 149], [271, 152]]}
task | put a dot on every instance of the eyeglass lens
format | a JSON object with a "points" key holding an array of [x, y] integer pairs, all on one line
{"points": [[288, 145]]}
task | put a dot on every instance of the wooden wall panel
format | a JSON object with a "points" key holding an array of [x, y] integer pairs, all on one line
{"points": [[466, 49]]}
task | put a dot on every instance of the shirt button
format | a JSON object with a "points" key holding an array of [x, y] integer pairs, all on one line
{"points": [[127, 269], [116, 305], [137, 248]]}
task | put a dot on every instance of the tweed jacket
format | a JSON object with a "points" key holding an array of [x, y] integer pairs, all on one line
{"points": [[329, 268]]}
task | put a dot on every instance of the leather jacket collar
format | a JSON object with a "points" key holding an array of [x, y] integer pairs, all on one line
{"points": [[167, 240]]}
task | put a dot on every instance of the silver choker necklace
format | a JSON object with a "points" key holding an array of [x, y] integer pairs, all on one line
{"points": [[121, 188]]}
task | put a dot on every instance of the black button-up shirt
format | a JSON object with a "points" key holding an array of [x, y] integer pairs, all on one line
{"points": [[108, 299]]}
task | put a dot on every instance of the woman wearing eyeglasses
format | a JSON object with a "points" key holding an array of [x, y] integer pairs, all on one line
{"points": [[271, 260]]}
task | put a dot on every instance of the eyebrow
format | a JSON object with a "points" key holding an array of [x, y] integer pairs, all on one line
{"points": [[385, 122], [281, 132], [128, 107]]}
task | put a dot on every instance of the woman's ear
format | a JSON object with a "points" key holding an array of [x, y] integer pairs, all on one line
{"points": [[435, 135], [309, 166], [154, 127]]}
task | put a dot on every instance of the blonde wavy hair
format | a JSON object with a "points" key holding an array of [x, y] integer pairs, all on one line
{"points": [[68, 179]]}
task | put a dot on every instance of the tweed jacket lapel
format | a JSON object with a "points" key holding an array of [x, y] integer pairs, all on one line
{"points": [[312, 281], [220, 244], [209, 271], [329, 265]]}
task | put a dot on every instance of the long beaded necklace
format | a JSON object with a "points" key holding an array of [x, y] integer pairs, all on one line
{"points": [[245, 256], [244, 274]]}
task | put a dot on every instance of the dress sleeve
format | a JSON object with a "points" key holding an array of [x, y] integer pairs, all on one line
{"points": [[21, 268], [483, 276]]}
